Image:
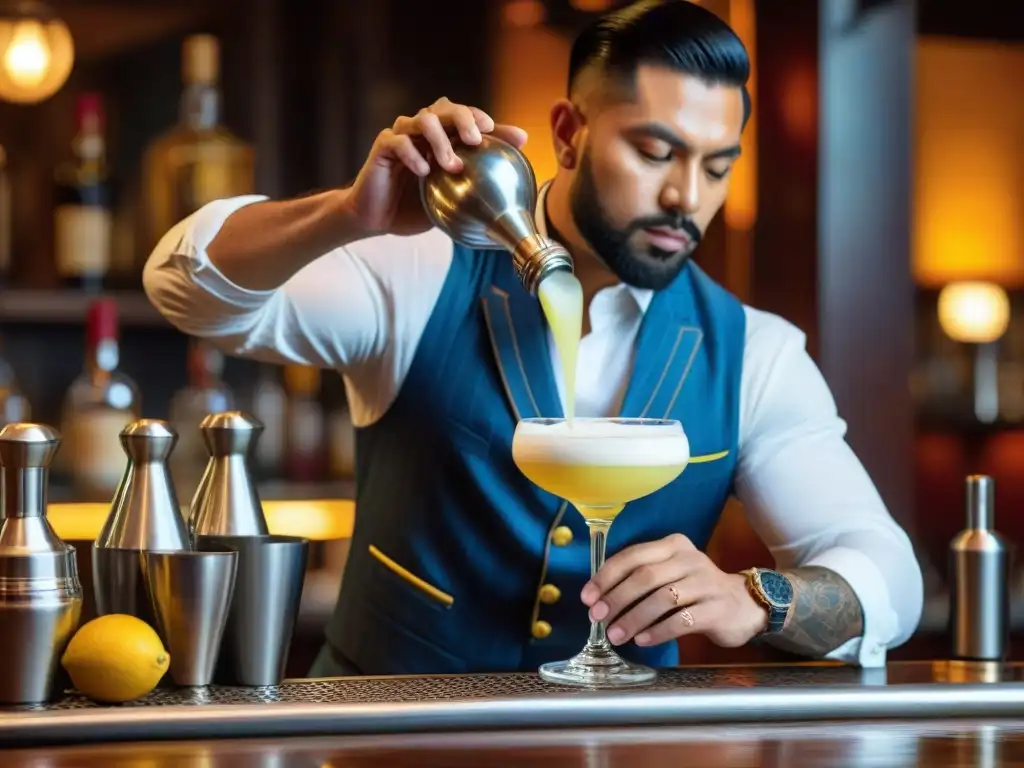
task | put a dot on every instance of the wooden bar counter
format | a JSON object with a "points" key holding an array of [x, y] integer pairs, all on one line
{"points": [[854, 744], [911, 713]]}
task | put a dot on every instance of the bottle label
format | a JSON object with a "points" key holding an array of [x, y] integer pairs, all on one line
{"points": [[82, 240], [93, 441]]}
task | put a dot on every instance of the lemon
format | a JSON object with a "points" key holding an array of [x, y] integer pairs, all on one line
{"points": [[115, 658]]}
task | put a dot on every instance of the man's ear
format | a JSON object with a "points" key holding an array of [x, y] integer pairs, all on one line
{"points": [[567, 125]]}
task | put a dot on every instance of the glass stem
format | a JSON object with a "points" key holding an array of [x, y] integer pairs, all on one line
{"points": [[598, 541]]}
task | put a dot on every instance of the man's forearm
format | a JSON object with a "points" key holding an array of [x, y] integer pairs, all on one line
{"points": [[825, 613], [261, 246]]}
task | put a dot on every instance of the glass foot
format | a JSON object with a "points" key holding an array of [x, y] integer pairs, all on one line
{"points": [[597, 667]]}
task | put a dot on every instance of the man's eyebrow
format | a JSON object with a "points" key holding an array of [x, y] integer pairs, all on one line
{"points": [[662, 132]]}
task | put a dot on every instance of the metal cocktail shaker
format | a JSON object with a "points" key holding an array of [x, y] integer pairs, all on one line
{"points": [[490, 204], [226, 502], [979, 563], [144, 515], [40, 592]]}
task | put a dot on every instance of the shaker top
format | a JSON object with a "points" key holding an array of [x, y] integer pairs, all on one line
{"points": [[144, 513], [32, 556], [238, 420], [230, 432], [148, 440], [27, 445]]}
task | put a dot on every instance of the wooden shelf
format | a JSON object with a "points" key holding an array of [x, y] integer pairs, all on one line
{"points": [[70, 307]]}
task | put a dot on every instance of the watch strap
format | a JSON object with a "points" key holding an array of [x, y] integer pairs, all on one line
{"points": [[776, 613]]}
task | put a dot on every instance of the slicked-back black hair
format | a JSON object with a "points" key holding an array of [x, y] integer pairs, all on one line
{"points": [[673, 33]]}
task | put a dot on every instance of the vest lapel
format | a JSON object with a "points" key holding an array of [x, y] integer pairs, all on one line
{"points": [[519, 340], [666, 349]]}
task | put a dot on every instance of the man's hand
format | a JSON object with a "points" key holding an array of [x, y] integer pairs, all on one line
{"points": [[385, 198], [660, 591]]}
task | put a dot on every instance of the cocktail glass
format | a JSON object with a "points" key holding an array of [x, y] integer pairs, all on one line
{"points": [[598, 466]]}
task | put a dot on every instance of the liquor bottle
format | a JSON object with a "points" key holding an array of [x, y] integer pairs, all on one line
{"points": [[199, 160], [83, 216], [98, 405], [304, 439], [204, 394]]}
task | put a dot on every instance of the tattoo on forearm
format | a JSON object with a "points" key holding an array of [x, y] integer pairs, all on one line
{"points": [[825, 613]]}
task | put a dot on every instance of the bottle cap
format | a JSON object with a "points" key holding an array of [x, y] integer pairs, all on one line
{"points": [[101, 322], [89, 110], [200, 60]]}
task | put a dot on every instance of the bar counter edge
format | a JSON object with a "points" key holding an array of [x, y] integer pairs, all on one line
{"points": [[438, 704]]}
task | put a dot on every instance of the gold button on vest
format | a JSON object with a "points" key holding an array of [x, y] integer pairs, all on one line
{"points": [[561, 536], [541, 629], [550, 594]]}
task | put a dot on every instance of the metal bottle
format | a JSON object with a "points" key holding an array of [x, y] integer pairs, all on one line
{"points": [[226, 502], [490, 205], [40, 592], [979, 563], [144, 515]]}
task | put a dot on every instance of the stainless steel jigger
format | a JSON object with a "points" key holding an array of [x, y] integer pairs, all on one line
{"points": [[190, 594], [40, 592], [490, 205], [144, 516], [226, 502], [268, 589]]}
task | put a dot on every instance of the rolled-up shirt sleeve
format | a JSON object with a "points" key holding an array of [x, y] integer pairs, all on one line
{"points": [[343, 309], [809, 498]]}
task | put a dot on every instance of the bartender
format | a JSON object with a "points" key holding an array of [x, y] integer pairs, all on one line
{"points": [[458, 563]]}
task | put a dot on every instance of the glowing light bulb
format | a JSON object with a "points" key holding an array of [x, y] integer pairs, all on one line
{"points": [[974, 311], [36, 54], [28, 56]]}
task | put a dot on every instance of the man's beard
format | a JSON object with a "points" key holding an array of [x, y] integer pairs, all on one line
{"points": [[651, 267]]}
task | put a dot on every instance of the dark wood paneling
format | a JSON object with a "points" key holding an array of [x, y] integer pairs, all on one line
{"points": [[784, 274]]}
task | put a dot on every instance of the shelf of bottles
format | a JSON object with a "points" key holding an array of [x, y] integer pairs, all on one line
{"points": [[104, 221], [103, 226], [306, 449]]}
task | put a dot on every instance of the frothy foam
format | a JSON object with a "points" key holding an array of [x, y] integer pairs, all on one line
{"points": [[601, 443]]}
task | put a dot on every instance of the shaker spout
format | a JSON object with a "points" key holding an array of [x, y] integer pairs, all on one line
{"points": [[148, 440], [230, 432], [145, 513], [226, 502], [490, 205]]}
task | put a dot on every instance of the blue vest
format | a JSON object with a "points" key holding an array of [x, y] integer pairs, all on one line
{"points": [[460, 564]]}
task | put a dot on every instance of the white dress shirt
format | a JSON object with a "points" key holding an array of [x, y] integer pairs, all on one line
{"points": [[362, 309]]}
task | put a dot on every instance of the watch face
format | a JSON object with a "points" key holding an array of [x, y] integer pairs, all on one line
{"points": [[776, 588]]}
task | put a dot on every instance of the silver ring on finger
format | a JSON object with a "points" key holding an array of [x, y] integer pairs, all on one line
{"points": [[686, 616]]}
